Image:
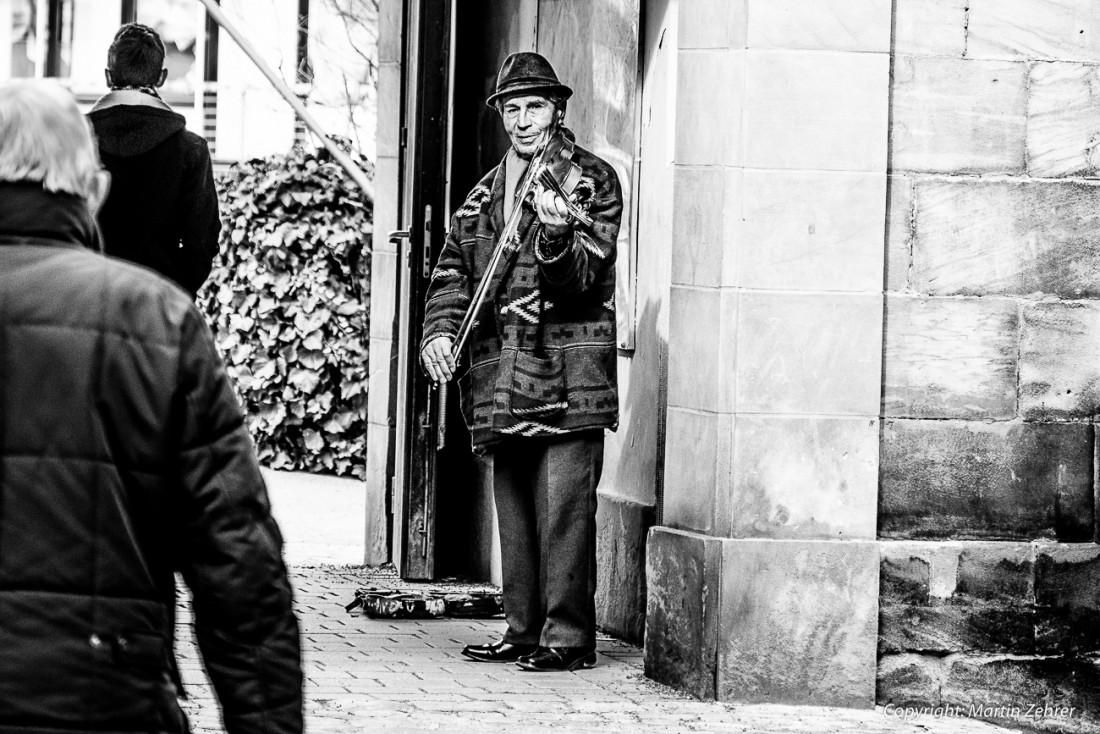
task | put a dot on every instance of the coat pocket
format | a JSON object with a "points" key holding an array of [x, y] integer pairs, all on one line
{"points": [[538, 389]]}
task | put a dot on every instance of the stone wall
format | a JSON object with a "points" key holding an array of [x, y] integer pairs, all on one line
{"points": [[991, 356], [775, 350]]}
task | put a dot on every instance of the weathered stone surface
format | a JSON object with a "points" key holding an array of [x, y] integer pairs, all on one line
{"points": [[930, 27], [698, 376], [812, 230], [820, 25], [681, 627], [1055, 694], [621, 530], [996, 572], [809, 354], [1060, 361], [899, 232], [1063, 131], [903, 578], [1067, 631], [1003, 237], [697, 467], [996, 685], [950, 358], [718, 24], [952, 479], [812, 111], [1068, 577], [958, 116], [909, 680], [798, 477], [1034, 29], [798, 622], [700, 102], [953, 628]]}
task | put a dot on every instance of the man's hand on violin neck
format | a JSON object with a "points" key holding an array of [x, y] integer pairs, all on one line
{"points": [[438, 359], [553, 213]]}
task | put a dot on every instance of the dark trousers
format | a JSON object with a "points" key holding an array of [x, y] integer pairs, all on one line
{"points": [[545, 491]]}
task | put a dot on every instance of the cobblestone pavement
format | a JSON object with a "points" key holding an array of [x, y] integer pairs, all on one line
{"points": [[397, 676]]}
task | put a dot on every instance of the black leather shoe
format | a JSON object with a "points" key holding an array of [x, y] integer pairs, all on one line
{"points": [[497, 652], [559, 659]]}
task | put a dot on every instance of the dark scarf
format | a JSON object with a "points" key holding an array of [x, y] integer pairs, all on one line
{"points": [[28, 213]]}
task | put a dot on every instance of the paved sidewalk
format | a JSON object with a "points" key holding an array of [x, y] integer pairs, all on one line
{"points": [[392, 676]]}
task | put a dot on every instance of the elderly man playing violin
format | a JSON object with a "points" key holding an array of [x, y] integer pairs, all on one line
{"points": [[536, 236]]}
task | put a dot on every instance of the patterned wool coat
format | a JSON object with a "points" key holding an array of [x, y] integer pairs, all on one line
{"points": [[541, 357]]}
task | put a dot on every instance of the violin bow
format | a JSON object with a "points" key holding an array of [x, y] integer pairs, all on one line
{"points": [[531, 176]]}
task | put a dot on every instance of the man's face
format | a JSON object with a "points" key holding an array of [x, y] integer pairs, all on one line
{"points": [[527, 119]]}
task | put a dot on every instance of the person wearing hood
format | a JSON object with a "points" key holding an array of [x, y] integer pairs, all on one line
{"points": [[162, 211], [124, 459]]}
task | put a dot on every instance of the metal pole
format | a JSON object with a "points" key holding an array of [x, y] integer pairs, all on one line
{"points": [[341, 157]]}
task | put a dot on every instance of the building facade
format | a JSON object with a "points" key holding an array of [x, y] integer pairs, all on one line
{"points": [[859, 358]]}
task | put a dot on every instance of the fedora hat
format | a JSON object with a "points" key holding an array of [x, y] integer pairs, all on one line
{"points": [[526, 73]]}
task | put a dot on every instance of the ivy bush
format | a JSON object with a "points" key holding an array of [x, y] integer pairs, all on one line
{"points": [[287, 300]]}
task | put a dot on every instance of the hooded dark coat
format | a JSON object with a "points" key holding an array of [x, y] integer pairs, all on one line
{"points": [[162, 211], [123, 460]]}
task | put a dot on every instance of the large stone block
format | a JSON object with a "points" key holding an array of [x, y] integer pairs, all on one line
{"points": [[387, 138], [950, 358], [930, 27], [390, 30], [820, 25], [958, 116], [715, 24], [814, 111], [1068, 577], [909, 680], [696, 468], [904, 578], [1053, 694], [376, 549], [379, 383], [706, 224], [1034, 29], [386, 186], [954, 479], [798, 477], [710, 95], [702, 345], [944, 629], [899, 232], [1003, 237], [798, 622], [681, 626], [621, 530], [383, 299], [1062, 112], [996, 572], [809, 354], [812, 230], [1060, 361]]}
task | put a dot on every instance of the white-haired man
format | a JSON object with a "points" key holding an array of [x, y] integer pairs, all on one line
{"points": [[123, 459]]}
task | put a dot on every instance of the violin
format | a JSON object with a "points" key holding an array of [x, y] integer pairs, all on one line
{"points": [[552, 168]]}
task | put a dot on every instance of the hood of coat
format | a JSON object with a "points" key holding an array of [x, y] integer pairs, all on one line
{"points": [[128, 123], [30, 213]]}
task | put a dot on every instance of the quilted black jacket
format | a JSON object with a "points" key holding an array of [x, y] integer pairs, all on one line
{"points": [[123, 460]]}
